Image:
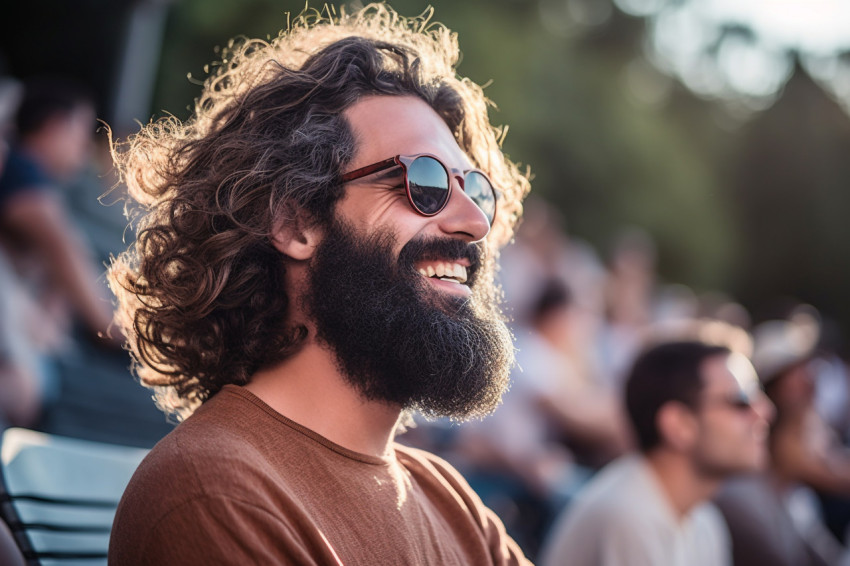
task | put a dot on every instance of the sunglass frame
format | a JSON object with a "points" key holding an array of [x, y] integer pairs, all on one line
{"points": [[405, 161]]}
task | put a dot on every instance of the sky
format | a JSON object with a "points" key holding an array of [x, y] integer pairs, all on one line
{"points": [[690, 40], [818, 27]]}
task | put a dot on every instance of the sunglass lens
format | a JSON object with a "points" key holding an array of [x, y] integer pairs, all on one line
{"points": [[429, 184], [479, 189], [741, 401]]}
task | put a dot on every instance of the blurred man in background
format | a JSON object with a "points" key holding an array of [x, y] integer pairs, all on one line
{"points": [[699, 417]]}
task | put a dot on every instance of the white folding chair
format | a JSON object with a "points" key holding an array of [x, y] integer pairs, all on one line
{"points": [[58, 495]]}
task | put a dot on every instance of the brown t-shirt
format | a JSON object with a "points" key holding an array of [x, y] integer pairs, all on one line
{"points": [[238, 483]]}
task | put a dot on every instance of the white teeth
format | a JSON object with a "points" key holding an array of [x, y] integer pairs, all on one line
{"points": [[454, 272], [460, 273]]}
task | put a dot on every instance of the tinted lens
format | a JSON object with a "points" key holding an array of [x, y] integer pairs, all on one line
{"points": [[740, 401], [479, 189], [429, 184]]}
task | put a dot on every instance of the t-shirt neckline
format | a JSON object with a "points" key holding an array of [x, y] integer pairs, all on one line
{"points": [[246, 395]]}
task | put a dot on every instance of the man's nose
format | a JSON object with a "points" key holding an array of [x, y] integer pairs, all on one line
{"points": [[764, 407], [462, 217]]}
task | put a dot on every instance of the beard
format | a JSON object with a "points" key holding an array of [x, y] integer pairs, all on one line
{"points": [[398, 340]]}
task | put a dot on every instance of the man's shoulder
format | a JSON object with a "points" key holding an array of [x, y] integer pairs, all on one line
{"points": [[619, 486], [211, 459], [616, 499], [214, 451], [190, 456], [613, 515]]}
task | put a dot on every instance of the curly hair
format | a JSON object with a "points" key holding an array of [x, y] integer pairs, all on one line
{"points": [[201, 294]]}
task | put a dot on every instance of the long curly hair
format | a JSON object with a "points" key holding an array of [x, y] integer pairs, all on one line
{"points": [[201, 294]]}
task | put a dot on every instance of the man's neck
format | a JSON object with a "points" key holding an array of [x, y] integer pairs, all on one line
{"points": [[680, 482], [309, 389]]}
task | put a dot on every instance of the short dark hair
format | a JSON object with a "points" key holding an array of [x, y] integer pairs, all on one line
{"points": [[47, 96], [660, 374]]}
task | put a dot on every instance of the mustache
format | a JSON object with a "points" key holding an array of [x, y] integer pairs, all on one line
{"points": [[443, 249]]}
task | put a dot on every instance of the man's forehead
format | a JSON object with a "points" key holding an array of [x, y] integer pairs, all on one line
{"points": [[729, 371], [385, 126]]}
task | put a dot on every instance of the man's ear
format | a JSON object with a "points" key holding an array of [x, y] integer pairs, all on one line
{"points": [[296, 237], [677, 425]]}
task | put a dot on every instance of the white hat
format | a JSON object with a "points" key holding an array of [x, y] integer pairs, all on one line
{"points": [[780, 344]]}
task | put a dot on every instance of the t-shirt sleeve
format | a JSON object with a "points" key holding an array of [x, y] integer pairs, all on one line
{"points": [[221, 530]]}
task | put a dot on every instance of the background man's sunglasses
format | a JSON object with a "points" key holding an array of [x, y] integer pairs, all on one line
{"points": [[739, 400], [427, 181]]}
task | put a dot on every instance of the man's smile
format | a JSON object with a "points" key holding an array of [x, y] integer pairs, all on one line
{"points": [[447, 275], [452, 271]]}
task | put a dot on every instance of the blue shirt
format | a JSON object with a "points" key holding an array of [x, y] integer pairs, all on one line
{"points": [[21, 174]]}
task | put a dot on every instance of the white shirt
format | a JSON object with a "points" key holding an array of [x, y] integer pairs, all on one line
{"points": [[623, 518]]}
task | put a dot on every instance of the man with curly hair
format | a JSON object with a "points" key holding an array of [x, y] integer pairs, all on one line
{"points": [[313, 263]]}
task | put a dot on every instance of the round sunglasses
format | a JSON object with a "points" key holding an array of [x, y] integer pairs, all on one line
{"points": [[428, 182], [739, 400]]}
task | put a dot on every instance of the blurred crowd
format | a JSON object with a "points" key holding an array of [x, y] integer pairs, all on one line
{"points": [[580, 320]]}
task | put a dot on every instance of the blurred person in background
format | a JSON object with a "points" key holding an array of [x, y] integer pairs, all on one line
{"points": [[554, 286], [832, 403], [518, 459], [699, 417], [20, 388], [775, 517], [316, 261], [53, 140], [542, 251], [629, 291], [50, 271]]}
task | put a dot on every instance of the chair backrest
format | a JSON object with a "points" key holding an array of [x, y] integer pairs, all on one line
{"points": [[59, 494]]}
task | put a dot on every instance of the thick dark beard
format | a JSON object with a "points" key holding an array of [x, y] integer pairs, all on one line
{"points": [[398, 340]]}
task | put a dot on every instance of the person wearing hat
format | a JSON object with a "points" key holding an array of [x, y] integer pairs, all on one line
{"points": [[773, 516], [805, 449]]}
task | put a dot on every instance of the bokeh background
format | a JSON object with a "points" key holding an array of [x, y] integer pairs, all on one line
{"points": [[688, 156], [719, 128]]}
